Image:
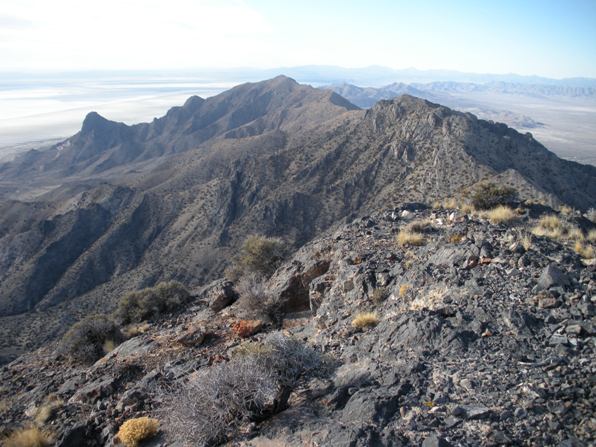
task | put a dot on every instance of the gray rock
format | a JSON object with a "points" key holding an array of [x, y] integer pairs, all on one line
{"points": [[552, 276], [435, 441]]}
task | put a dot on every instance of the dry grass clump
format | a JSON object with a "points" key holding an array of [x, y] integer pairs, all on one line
{"points": [[407, 237], [500, 214], [550, 226], [87, 340], [48, 409], [566, 210], [152, 302], [591, 236], [133, 431], [450, 203], [466, 208], [553, 227], [135, 329], [586, 251], [404, 289], [365, 320], [526, 241], [419, 226], [455, 238], [28, 437]]}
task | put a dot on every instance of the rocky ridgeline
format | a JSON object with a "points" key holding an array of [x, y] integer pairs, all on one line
{"points": [[476, 336]]}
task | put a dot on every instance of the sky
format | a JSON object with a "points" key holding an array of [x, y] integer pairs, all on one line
{"points": [[554, 38]]}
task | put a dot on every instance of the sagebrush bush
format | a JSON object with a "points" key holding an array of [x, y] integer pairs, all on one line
{"points": [[489, 195], [253, 384], [152, 302], [255, 300], [28, 437], [133, 431], [261, 255], [85, 341]]}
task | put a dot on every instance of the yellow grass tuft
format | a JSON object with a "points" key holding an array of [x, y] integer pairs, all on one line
{"points": [[566, 210], [526, 241], [586, 251], [450, 203], [549, 226], [365, 319], [592, 236], [403, 289], [138, 429], [466, 208], [407, 237], [575, 234], [455, 238], [500, 214], [28, 437]]}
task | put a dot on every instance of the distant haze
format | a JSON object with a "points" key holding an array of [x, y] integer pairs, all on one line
{"points": [[544, 37]]}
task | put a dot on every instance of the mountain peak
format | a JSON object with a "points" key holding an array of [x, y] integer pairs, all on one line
{"points": [[94, 121], [193, 103]]}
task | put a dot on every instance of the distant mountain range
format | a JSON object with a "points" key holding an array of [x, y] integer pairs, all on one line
{"points": [[117, 207]]}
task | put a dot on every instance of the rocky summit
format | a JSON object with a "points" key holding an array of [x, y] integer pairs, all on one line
{"points": [[473, 333]]}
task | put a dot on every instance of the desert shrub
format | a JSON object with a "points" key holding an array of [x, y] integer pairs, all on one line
{"points": [[489, 195], [152, 302], [255, 299], [85, 341], [261, 255], [407, 237], [28, 437], [253, 384], [365, 320], [500, 214], [138, 429], [379, 295]]}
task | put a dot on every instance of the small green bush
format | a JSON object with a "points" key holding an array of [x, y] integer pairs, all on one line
{"points": [[490, 195], [152, 302], [86, 340], [261, 255]]}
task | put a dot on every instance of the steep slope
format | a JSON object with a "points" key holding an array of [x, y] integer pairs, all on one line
{"points": [[479, 340], [285, 160]]}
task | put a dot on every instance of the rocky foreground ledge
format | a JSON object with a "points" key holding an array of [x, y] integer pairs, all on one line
{"points": [[473, 334]]}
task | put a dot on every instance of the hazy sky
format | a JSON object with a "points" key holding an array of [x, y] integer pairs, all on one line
{"points": [[554, 38]]}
